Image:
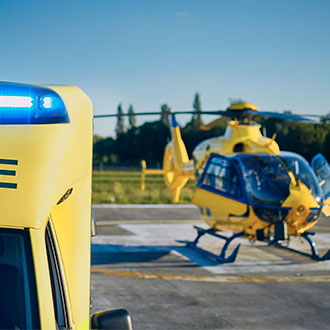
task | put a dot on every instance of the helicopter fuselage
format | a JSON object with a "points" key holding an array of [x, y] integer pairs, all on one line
{"points": [[246, 185], [259, 194]]}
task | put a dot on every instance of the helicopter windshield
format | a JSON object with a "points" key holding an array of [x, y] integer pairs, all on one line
{"points": [[266, 178], [301, 169]]}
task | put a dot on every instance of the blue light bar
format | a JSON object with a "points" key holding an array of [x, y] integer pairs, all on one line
{"points": [[22, 104]]}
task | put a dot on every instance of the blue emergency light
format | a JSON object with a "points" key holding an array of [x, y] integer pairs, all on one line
{"points": [[22, 104]]}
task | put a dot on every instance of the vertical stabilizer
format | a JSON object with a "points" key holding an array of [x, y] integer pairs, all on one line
{"points": [[181, 155], [178, 169]]}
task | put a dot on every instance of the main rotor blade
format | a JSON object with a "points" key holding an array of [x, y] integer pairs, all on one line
{"points": [[229, 113], [242, 113], [202, 112], [285, 116], [189, 112], [309, 115], [126, 114]]}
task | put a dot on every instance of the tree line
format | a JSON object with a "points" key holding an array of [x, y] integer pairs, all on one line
{"points": [[148, 141]]}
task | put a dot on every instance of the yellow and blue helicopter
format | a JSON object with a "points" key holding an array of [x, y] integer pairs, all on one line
{"points": [[246, 185]]}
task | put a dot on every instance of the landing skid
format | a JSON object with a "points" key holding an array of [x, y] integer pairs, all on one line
{"points": [[313, 255], [222, 257]]}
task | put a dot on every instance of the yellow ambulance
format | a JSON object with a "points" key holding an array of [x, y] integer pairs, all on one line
{"points": [[45, 224]]}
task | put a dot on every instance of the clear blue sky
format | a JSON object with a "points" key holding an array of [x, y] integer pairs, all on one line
{"points": [[275, 54]]}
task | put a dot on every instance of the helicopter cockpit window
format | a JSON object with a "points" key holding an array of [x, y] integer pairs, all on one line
{"points": [[222, 176], [266, 178], [301, 170]]}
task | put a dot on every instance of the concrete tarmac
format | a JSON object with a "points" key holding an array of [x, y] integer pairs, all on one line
{"points": [[140, 263]]}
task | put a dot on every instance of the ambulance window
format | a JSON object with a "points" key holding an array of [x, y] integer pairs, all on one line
{"points": [[18, 303], [56, 282]]}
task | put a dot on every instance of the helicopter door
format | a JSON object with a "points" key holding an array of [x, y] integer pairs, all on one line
{"points": [[321, 168], [220, 178]]}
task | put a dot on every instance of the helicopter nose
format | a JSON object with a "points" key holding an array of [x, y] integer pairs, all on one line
{"points": [[304, 209]]}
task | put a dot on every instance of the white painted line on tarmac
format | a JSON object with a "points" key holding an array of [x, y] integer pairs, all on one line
{"points": [[144, 206], [221, 279]]}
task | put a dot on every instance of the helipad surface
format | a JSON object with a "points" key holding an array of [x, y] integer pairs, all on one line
{"points": [[139, 262]]}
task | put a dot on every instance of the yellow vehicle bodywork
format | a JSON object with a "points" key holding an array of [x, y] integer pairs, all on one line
{"points": [[53, 164]]}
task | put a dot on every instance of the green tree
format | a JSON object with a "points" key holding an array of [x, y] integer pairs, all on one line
{"points": [[147, 142], [131, 117], [304, 139], [197, 116], [102, 150], [165, 109], [96, 138], [326, 145], [120, 128], [325, 119]]}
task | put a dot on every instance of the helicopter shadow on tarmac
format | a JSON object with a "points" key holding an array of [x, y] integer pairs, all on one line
{"points": [[159, 255], [174, 256], [162, 246]]}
